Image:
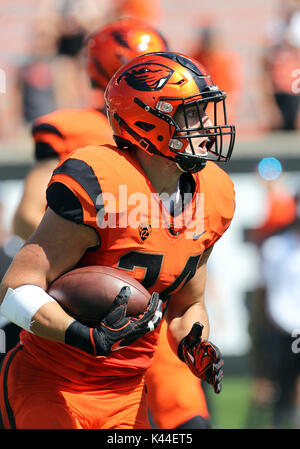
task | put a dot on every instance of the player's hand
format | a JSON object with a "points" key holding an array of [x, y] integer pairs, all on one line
{"points": [[116, 330], [202, 357]]}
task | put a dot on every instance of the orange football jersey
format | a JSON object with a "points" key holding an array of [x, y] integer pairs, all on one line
{"points": [[59, 133], [136, 234]]}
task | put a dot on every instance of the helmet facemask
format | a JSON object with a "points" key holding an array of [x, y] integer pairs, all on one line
{"points": [[212, 140], [217, 137], [149, 102]]}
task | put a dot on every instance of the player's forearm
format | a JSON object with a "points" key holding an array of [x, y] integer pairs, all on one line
{"points": [[179, 327], [26, 268], [24, 301], [55, 247], [51, 322], [31, 308]]}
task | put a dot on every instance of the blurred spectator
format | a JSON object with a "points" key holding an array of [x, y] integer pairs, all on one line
{"points": [[37, 90], [294, 29], [280, 211], [53, 75], [150, 12], [286, 9], [281, 276], [224, 66], [275, 315], [281, 61]]}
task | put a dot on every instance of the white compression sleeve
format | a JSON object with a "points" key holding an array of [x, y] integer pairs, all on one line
{"points": [[22, 303]]}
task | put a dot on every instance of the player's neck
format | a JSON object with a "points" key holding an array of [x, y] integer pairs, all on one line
{"points": [[162, 173]]}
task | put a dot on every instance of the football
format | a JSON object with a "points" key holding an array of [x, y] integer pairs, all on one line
{"points": [[87, 293]]}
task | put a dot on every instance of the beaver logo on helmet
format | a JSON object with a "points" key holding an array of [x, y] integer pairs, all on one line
{"points": [[147, 77]]}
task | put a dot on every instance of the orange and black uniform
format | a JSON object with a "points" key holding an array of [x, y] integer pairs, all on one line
{"points": [[111, 388], [59, 133], [184, 402]]}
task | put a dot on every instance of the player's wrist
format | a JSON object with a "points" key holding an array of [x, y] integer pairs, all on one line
{"points": [[88, 339], [21, 304], [78, 335]]}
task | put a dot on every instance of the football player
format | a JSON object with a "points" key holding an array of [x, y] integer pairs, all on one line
{"points": [[172, 404], [60, 132], [166, 143]]}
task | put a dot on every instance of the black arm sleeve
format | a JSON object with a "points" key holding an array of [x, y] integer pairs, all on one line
{"points": [[64, 202], [44, 150]]}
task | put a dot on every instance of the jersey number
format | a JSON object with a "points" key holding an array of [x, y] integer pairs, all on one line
{"points": [[152, 263]]}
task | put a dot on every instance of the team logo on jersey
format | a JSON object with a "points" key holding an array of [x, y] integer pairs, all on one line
{"points": [[144, 231], [147, 77]]}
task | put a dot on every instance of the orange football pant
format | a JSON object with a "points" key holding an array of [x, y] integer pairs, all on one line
{"points": [[31, 398], [174, 395]]}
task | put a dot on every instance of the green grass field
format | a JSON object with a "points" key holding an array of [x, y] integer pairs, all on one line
{"points": [[230, 408]]}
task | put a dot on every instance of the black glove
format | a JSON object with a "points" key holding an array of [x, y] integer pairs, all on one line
{"points": [[115, 330], [202, 357]]}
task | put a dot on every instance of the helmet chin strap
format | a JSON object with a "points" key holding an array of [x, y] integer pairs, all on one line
{"points": [[186, 165], [183, 162]]}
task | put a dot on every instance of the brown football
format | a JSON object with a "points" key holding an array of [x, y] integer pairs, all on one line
{"points": [[87, 293]]}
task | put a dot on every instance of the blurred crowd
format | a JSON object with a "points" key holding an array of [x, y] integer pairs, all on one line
{"points": [[52, 75], [274, 311], [281, 65], [49, 72]]}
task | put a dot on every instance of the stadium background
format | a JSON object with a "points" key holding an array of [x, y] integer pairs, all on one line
{"points": [[246, 30]]}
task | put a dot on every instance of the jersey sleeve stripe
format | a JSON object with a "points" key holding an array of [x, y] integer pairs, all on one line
{"points": [[46, 127], [44, 150], [64, 202], [84, 175]]}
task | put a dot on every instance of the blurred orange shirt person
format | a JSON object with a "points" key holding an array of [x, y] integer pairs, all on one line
{"points": [[223, 65], [281, 211], [141, 9]]}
